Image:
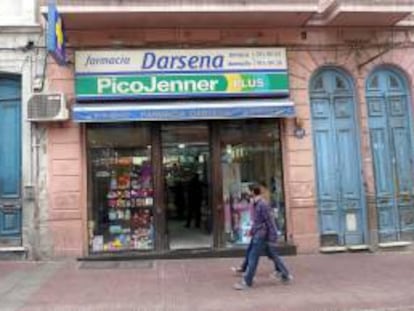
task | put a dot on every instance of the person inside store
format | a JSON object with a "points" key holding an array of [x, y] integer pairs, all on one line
{"points": [[178, 190], [264, 237], [195, 198]]}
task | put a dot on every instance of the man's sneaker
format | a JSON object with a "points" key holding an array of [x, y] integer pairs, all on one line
{"points": [[287, 279], [241, 286], [276, 275], [237, 270]]}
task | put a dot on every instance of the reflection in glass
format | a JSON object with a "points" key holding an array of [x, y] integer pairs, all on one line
{"points": [[250, 152]]}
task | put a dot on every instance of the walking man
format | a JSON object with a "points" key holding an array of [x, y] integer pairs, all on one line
{"points": [[264, 235]]}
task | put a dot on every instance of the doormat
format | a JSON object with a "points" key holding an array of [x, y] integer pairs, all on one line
{"points": [[117, 264]]}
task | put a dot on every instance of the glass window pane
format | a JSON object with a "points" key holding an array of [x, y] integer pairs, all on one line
{"points": [[251, 152], [393, 82], [318, 84], [121, 189], [339, 83], [374, 83]]}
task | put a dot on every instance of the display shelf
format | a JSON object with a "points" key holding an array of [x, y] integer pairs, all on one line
{"points": [[126, 194]]}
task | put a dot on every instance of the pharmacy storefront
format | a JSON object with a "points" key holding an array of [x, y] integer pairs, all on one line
{"points": [[174, 138]]}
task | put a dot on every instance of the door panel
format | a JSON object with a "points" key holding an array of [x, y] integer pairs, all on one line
{"points": [[10, 222], [10, 150], [407, 222], [349, 170], [387, 223], [330, 221], [337, 158], [10, 162], [382, 163], [326, 166], [383, 170], [402, 156], [391, 145], [347, 159]]}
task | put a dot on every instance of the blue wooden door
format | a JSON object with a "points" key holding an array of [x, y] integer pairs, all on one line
{"points": [[341, 206], [391, 145], [10, 161]]}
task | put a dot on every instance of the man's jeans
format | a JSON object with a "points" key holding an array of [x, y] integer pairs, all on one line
{"points": [[246, 256], [243, 266], [255, 249]]}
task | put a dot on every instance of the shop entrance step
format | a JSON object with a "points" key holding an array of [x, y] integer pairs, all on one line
{"points": [[284, 249], [395, 246], [130, 264]]}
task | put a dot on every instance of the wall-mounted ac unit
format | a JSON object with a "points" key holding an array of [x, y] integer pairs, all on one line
{"points": [[47, 108]]}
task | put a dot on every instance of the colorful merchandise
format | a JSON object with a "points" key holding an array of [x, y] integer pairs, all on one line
{"points": [[126, 216]]}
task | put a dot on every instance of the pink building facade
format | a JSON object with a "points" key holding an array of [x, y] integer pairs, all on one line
{"points": [[346, 150]]}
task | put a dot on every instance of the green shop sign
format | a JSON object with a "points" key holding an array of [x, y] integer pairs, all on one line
{"points": [[164, 85], [206, 73]]}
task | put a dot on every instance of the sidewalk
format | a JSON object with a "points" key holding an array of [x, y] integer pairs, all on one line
{"points": [[322, 282]]}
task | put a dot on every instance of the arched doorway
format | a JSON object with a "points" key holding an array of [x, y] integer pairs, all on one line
{"points": [[10, 161], [341, 205], [391, 145]]}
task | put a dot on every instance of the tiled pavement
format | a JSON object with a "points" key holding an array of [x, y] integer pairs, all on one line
{"points": [[322, 282]]}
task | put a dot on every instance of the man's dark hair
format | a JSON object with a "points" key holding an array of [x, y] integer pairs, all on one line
{"points": [[255, 188]]}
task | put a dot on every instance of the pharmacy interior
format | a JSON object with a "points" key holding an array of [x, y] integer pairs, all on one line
{"points": [[172, 149]]}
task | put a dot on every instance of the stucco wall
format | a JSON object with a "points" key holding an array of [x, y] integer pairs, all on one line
{"points": [[17, 12], [64, 182], [308, 51]]}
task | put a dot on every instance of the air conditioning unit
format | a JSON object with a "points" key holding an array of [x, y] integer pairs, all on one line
{"points": [[47, 108]]}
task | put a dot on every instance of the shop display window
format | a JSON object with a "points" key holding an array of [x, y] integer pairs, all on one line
{"points": [[250, 152], [120, 188]]}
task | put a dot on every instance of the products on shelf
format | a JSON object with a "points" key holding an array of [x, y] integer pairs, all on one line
{"points": [[126, 220]]}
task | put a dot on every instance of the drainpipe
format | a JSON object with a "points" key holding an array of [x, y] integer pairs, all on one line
{"points": [[36, 204], [37, 133]]}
